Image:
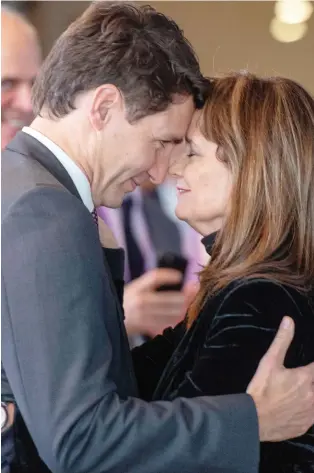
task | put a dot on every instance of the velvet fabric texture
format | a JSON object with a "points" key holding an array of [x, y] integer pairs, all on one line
{"points": [[220, 354]]}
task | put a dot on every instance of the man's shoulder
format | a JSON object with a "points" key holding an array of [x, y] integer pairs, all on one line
{"points": [[42, 203], [21, 177]]}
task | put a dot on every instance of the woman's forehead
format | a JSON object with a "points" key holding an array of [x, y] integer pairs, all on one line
{"points": [[194, 128]]}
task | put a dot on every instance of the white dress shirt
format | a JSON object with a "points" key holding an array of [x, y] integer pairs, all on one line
{"points": [[76, 174]]}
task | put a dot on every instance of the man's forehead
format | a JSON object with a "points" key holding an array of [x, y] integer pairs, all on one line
{"points": [[19, 67], [18, 38], [22, 62], [183, 105], [174, 122], [13, 26]]}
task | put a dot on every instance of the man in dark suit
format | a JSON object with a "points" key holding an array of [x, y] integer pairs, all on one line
{"points": [[113, 99]]}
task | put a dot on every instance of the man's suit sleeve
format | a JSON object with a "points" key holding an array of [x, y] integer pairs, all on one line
{"points": [[57, 354]]}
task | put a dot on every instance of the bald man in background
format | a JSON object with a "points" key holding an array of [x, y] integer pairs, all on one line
{"points": [[20, 62]]}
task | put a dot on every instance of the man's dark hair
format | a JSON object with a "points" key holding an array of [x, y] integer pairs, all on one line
{"points": [[137, 49]]}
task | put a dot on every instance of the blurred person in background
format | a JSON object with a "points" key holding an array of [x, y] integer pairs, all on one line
{"points": [[20, 62], [146, 227], [246, 184]]}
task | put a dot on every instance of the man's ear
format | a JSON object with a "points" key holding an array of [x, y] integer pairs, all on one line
{"points": [[106, 98]]}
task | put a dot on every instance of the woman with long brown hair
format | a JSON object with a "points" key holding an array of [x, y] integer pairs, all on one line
{"points": [[246, 183]]}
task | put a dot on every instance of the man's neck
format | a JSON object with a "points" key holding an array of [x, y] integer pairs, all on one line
{"points": [[55, 131]]}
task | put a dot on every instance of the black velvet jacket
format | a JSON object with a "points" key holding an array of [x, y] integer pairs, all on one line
{"points": [[221, 352]]}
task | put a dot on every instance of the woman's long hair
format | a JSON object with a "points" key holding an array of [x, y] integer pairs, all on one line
{"points": [[264, 129]]}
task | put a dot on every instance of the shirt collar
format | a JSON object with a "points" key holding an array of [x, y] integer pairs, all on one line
{"points": [[76, 174]]}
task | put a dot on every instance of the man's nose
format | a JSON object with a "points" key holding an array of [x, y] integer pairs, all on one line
{"points": [[158, 172], [177, 165]]}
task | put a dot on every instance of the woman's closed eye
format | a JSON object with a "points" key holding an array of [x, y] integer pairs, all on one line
{"points": [[190, 149], [191, 152]]}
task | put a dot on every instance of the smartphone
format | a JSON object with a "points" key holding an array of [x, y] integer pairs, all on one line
{"points": [[172, 261]]}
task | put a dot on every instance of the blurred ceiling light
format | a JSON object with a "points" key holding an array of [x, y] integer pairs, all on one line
{"points": [[293, 11], [287, 33]]}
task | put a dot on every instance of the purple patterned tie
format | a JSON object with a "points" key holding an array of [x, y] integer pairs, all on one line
{"points": [[95, 216]]}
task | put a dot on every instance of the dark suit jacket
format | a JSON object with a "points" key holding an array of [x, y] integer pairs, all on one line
{"points": [[221, 352], [64, 348]]}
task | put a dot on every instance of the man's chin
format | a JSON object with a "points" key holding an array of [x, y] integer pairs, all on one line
{"points": [[114, 204], [115, 199], [112, 201], [129, 186]]}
